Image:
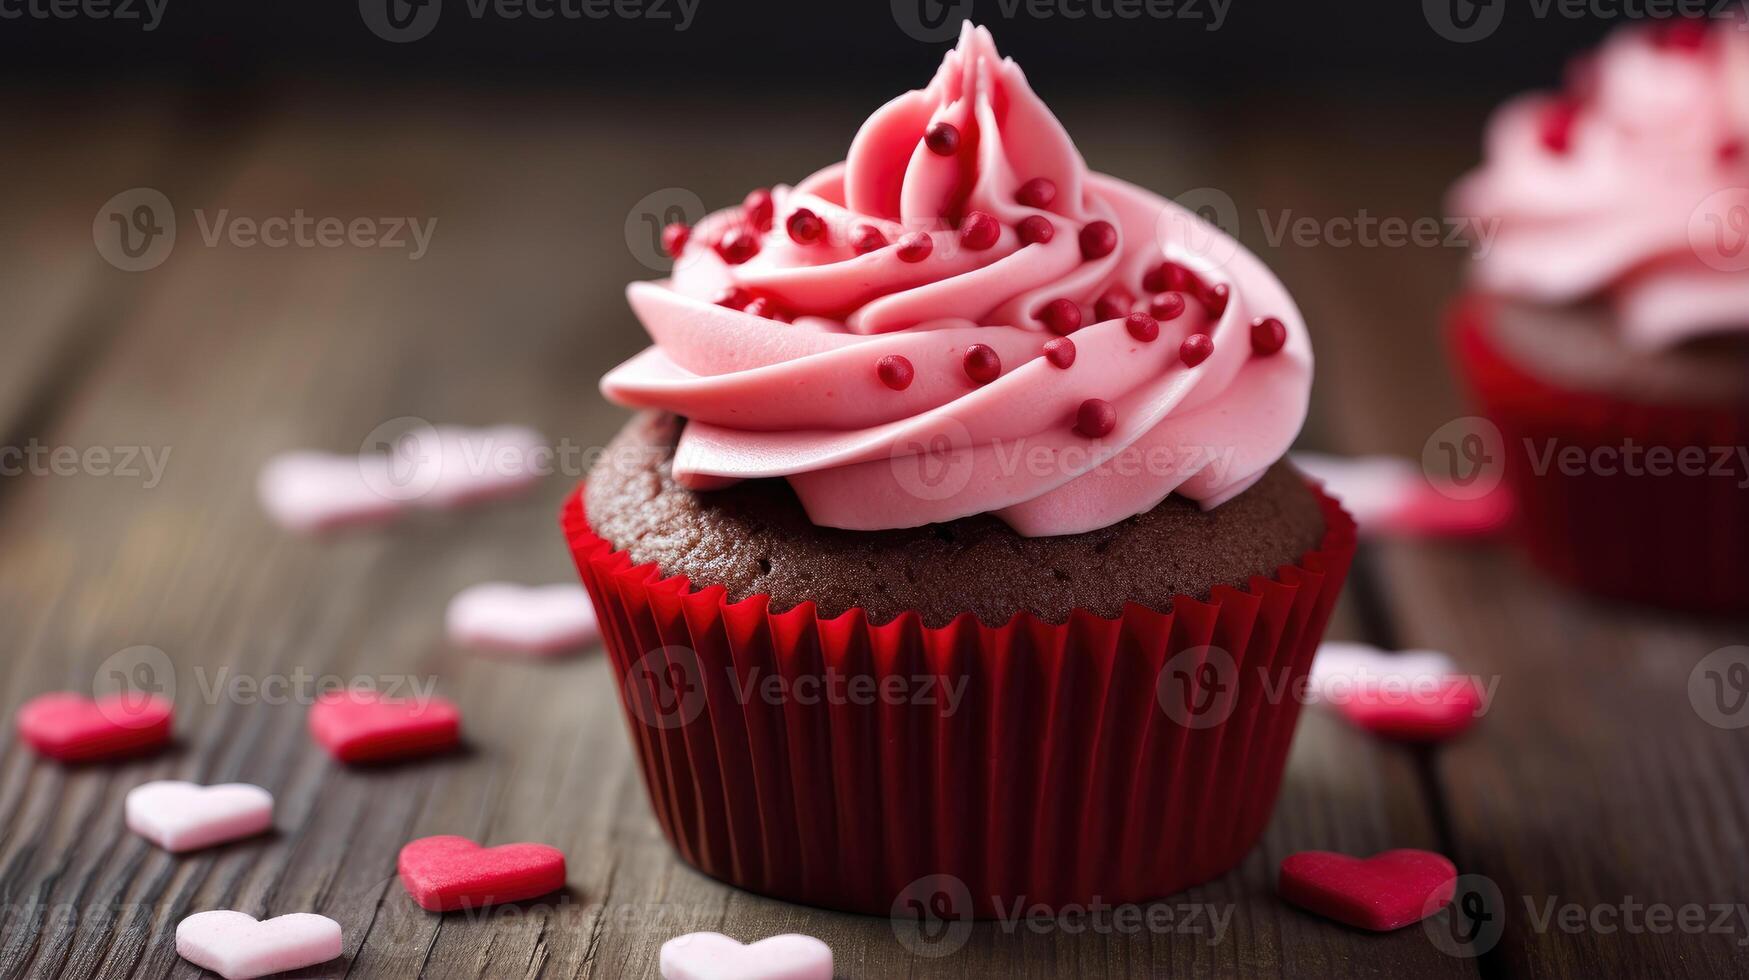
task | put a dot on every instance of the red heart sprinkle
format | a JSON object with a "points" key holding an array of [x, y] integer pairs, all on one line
{"points": [[73, 728], [363, 726], [1383, 892], [447, 872], [1416, 715]]}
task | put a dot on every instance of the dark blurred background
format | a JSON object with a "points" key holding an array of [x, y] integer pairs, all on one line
{"points": [[857, 47]]}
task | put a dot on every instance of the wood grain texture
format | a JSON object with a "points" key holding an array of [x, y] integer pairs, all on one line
{"points": [[225, 355]]}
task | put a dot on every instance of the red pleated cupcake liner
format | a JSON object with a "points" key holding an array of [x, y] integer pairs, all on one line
{"points": [[1675, 540], [1058, 776]]}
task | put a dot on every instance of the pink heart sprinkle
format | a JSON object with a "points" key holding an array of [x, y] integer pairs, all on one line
{"points": [[714, 956], [1390, 495], [180, 816], [237, 946], [429, 467], [364, 726], [541, 621], [1384, 892], [73, 728]]}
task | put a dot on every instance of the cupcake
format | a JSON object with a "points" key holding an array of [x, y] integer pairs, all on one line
{"points": [[1605, 329], [951, 552]]}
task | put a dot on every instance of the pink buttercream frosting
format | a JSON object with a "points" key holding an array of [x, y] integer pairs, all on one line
{"points": [[1629, 187], [775, 359]]}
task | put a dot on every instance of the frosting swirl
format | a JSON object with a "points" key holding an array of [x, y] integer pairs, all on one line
{"points": [[1628, 187], [885, 334]]}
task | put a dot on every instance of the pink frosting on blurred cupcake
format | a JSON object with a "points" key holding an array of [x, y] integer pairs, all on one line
{"points": [[1630, 187], [896, 309]]}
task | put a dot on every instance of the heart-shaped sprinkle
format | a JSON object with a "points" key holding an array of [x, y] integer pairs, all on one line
{"points": [[1389, 495], [446, 872], [430, 467], [179, 816], [1340, 669], [1447, 710], [73, 728], [536, 620], [714, 956], [238, 946], [363, 726], [1384, 892]]}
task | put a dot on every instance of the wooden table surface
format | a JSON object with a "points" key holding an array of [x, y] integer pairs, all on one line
{"points": [[1593, 781]]}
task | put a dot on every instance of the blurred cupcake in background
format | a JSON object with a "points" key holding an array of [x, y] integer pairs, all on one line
{"points": [[1605, 329]]}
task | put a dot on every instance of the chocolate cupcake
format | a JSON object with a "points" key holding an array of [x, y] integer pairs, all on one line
{"points": [[1606, 330], [953, 553]]}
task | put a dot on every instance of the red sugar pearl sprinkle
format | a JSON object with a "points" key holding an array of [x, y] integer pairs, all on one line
{"points": [[1196, 349], [1215, 298], [979, 231], [895, 371], [1095, 418], [1036, 229], [1730, 151], [1556, 127], [738, 245], [1167, 276], [674, 238], [1098, 239], [1113, 304], [1268, 335], [1061, 316], [916, 247], [734, 297], [943, 139], [1142, 327], [1038, 192], [804, 226], [1060, 352], [981, 364], [1167, 306], [867, 238], [759, 208]]}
